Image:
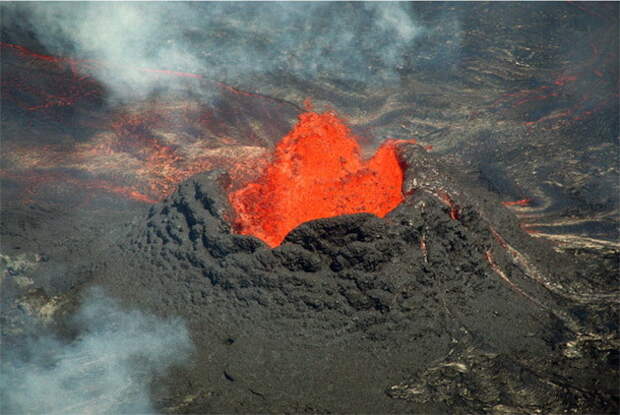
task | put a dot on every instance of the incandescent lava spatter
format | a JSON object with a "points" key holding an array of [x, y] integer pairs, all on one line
{"points": [[316, 172]]}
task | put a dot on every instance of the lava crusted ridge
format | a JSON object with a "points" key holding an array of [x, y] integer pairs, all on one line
{"points": [[358, 297], [435, 254]]}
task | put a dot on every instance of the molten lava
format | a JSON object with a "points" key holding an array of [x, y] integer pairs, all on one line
{"points": [[317, 172]]}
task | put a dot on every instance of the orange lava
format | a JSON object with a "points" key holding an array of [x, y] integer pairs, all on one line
{"points": [[317, 172], [522, 202]]}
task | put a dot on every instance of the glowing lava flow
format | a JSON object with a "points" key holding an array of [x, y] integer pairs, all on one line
{"points": [[60, 131], [317, 172]]}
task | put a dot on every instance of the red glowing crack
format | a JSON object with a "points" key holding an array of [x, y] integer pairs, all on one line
{"points": [[590, 85], [521, 202]]}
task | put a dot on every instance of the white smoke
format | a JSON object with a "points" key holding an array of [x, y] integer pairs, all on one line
{"points": [[223, 41], [106, 370], [393, 18]]}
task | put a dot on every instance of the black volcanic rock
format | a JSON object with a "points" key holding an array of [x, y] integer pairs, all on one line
{"points": [[520, 98], [348, 308]]}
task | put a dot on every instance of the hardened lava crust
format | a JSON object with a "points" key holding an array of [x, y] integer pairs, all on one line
{"points": [[361, 313], [491, 289]]}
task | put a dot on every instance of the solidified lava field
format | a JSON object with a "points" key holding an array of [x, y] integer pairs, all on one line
{"points": [[309, 208]]}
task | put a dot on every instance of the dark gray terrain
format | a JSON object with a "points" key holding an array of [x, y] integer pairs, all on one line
{"points": [[452, 303]]}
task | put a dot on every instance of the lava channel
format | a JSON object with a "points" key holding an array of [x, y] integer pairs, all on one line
{"points": [[317, 172]]}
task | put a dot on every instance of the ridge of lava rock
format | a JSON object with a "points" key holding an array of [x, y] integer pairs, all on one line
{"points": [[409, 285], [327, 270]]}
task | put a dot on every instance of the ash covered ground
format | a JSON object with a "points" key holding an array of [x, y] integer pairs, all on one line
{"points": [[492, 288]]}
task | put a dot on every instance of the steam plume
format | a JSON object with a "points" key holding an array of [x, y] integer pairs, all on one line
{"points": [[222, 41], [105, 370]]}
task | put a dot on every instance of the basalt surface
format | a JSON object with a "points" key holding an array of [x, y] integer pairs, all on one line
{"points": [[452, 303]]}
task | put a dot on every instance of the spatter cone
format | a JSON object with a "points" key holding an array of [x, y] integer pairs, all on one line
{"points": [[358, 297]]}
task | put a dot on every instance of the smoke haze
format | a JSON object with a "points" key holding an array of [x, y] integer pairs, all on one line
{"points": [[223, 41], [105, 370]]}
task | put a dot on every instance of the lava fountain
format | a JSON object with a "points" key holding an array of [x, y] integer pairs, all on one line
{"points": [[317, 172]]}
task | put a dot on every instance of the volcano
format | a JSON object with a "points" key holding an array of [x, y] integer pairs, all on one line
{"points": [[418, 285], [436, 233]]}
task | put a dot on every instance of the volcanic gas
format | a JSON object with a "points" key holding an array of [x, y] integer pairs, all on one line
{"points": [[317, 172]]}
